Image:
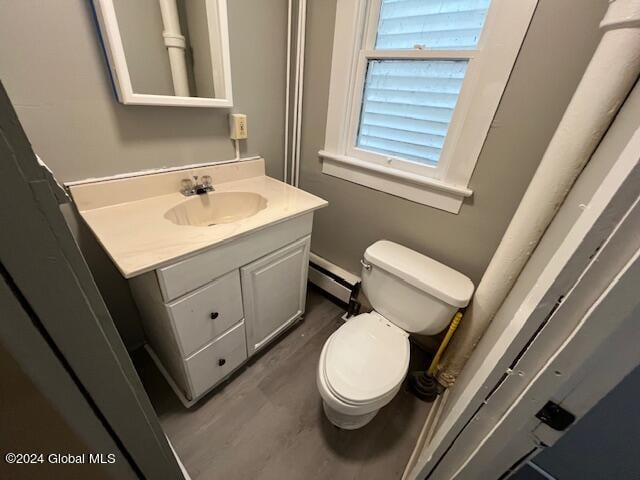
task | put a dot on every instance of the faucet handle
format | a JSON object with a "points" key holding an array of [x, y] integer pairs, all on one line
{"points": [[186, 184], [206, 180]]}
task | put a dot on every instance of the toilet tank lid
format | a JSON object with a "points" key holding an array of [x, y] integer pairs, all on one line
{"points": [[422, 272]]}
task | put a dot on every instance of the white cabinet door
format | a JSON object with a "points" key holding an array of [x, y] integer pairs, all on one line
{"points": [[273, 292]]}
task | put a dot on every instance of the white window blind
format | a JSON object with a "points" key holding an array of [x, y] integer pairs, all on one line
{"points": [[435, 24], [407, 105]]}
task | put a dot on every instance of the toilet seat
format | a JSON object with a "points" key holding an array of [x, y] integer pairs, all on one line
{"points": [[365, 360]]}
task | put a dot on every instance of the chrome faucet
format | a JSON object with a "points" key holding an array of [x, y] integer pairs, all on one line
{"points": [[192, 187]]}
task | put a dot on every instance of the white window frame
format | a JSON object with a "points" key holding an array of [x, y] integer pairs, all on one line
{"points": [[488, 70]]}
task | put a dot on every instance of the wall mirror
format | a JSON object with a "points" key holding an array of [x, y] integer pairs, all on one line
{"points": [[167, 52]]}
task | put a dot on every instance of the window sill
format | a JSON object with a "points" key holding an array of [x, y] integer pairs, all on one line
{"points": [[416, 188]]}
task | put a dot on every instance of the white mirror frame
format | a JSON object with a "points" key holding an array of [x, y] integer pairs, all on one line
{"points": [[121, 80]]}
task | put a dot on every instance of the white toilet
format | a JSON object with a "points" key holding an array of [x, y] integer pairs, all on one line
{"points": [[363, 364]]}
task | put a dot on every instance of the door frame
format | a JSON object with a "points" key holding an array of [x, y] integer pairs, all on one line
{"points": [[597, 352], [567, 286], [44, 263]]}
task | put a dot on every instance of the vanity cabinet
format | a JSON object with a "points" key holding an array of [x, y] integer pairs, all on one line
{"points": [[205, 315]]}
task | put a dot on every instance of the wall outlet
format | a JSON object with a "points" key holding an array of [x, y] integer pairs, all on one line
{"points": [[238, 126]]}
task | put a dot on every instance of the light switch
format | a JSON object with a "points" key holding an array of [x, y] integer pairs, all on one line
{"points": [[238, 126]]}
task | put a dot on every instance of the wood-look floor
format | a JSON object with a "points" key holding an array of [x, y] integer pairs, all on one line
{"points": [[267, 422]]}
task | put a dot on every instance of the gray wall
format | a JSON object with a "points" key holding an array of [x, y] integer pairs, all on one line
{"points": [[558, 46], [54, 71]]}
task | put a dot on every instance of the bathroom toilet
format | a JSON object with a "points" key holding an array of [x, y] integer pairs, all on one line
{"points": [[364, 362]]}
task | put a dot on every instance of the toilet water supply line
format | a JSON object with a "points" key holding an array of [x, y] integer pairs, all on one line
{"points": [[609, 77], [453, 326], [176, 44]]}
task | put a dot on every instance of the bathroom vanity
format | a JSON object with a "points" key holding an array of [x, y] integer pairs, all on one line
{"points": [[216, 277], [205, 315]]}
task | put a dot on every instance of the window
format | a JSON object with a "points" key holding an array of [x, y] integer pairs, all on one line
{"points": [[414, 87]]}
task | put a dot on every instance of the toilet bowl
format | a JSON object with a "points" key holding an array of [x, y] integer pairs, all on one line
{"points": [[364, 362], [361, 368]]}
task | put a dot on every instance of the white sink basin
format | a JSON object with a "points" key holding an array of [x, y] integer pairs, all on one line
{"points": [[216, 208]]}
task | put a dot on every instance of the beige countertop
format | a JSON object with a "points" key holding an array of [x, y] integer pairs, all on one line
{"points": [[132, 227]]}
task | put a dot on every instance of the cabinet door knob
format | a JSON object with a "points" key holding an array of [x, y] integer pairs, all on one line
{"points": [[214, 315], [221, 362]]}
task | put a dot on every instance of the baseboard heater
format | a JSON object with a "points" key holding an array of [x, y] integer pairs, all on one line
{"points": [[331, 278]]}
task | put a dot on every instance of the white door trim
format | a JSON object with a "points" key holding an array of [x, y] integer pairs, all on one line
{"points": [[617, 192], [582, 352]]}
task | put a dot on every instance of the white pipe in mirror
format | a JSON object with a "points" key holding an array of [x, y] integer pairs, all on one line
{"points": [[167, 52]]}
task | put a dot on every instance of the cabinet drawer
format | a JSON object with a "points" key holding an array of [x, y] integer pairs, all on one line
{"points": [[191, 273], [214, 362], [207, 313]]}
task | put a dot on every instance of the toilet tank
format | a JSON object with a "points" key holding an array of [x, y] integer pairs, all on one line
{"points": [[411, 290]]}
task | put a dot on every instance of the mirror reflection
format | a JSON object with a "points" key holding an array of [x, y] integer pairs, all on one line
{"points": [[172, 47]]}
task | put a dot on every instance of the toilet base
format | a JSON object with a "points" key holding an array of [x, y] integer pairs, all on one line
{"points": [[347, 422]]}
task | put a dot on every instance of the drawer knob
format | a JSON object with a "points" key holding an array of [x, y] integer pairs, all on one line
{"points": [[221, 362], [214, 315]]}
